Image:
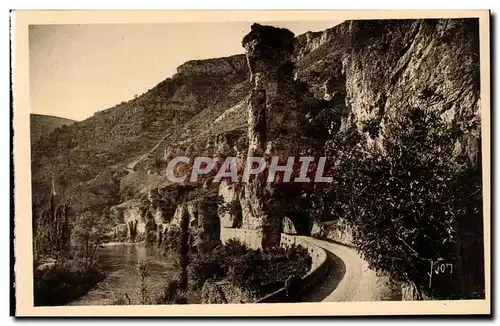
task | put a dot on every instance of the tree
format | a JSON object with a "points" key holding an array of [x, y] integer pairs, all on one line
{"points": [[52, 229], [132, 227], [406, 199], [89, 233], [143, 271], [151, 229]]}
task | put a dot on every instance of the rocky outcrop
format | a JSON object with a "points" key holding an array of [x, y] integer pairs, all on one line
{"points": [[337, 231], [386, 67], [269, 55], [276, 117], [189, 208], [277, 124], [288, 227], [129, 211], [214, 67], [230, 212]]}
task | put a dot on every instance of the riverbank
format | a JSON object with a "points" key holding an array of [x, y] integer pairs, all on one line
{"points": [[64, 281]]}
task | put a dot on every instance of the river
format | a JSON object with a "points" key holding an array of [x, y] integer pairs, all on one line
{"points": [[120, 264]]}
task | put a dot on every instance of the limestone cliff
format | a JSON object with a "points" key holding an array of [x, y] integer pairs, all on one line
{"points": [[213, 67], [360, 72], [276, 122], [384, 67], [357, 72]]}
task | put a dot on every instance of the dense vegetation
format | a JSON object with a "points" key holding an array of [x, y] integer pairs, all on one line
{"points": [[42, 125], [402, 181], [65, 281], [87, 159], [410, 201], [258, 271], [65, 253]]}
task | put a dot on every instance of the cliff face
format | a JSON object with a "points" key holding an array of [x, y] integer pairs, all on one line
{"points": [[359, 71], [382, 68], [87, 159], [214, 67]]}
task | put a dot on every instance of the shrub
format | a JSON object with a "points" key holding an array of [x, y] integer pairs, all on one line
{"points": [[89, 233], [64, 282], [264, 272], [143, 271], [51, 229], [132, 227], [171, 294], [151, 229], [407, 201], [258, 271]]}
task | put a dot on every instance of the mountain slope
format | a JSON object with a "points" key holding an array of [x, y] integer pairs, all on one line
{"points": [[41, 125], [365, 70], [87, 159]]}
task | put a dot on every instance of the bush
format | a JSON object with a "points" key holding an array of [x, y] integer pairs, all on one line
{"points": [[151, 230], [171, 294], [89, 233], [257, 271], [132, 227], [407, 201], [64, 282]]}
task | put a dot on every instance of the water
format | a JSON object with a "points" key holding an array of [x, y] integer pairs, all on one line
{"points": [[120, 264]]}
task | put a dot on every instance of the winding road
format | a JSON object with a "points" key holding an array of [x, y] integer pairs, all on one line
{"points": [[349, 278]]}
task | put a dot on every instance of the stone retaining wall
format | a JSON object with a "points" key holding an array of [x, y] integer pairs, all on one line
{"points": [[251, 238]]}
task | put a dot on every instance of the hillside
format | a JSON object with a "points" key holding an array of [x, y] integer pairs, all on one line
{"points": [[41, 125], [394, 106], [364, 70], [87, 159]]}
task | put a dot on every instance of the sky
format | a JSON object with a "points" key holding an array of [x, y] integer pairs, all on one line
{"points": [[77, 70]]}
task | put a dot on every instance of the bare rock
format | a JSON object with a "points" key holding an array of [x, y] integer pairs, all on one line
{"points": [[288, 226]]}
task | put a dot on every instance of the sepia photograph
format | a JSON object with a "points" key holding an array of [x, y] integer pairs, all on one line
{"points": [[312, 160]]}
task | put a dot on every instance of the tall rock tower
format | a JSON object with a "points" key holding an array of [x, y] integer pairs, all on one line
{"points": [[275, 123]]}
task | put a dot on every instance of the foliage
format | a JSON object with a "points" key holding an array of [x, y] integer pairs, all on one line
{"points": [[171, 294], [65, 281], [121, 300], [52, 229], [406, 200], [89, 233], [177, 243], [132, 228], [258, 271], [184, 245], [143, 271], [266, 271], [372, 127], [232, 208], [171, 238], [151, 229]]}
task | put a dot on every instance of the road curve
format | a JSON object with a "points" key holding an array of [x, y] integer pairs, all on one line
{"points": [[358, 282]]}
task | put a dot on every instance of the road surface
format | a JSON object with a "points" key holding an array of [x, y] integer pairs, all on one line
{"points": [[349, 278]]}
